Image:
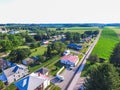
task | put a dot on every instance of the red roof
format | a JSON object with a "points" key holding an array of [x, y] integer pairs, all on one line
{"points": [[71, 58]]}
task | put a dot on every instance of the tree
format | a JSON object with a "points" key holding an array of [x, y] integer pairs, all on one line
{"points": [[93, 59], [18, 55], [35, 45], [29, 39], [16, 40], [115, 57], [104, 77], [73, 36], [55, 48], [6, 45], [1, 85], [88, 33]]}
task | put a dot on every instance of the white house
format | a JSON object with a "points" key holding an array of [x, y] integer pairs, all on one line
{"points": [[35, 81], [14, 73], [69, 60], [3, 30], [45, 42]]}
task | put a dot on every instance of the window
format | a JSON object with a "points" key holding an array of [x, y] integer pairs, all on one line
{"points": [[18, 75]]}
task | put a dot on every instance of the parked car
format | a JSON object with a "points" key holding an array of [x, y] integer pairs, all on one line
{"points": [[71, 68], [67, 52], [60, 77]]}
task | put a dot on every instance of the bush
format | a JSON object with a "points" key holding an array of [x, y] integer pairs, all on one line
{"points": [[93, 59]]}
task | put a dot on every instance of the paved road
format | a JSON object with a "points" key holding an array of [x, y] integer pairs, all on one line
{"points": [[69, 74], [79, 83], [80, 68]]}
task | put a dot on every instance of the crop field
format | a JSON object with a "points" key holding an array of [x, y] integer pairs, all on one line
{"points": [[83, 28], [106, 44], [76, 29], [117, 30]]}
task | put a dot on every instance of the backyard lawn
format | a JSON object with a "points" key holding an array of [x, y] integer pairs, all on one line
{"points": [[45, 64], [38, 51], [55, 67]]}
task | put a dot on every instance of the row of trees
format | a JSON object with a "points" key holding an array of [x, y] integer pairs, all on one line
{"points": [[76, 37], [105, 76], [73, 36], [17, 55]]}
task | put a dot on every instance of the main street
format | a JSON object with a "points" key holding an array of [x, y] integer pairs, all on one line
{"points": [[71, 76]]}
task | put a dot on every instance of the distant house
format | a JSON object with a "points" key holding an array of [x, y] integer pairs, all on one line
{"points": [[74, 46], [28, 61], [45, 42], [87, 39], [3, 64], [14, 73], [13, 32], [69, 60], [3, 30], [35, 58], [35, 81], [32, 34]]}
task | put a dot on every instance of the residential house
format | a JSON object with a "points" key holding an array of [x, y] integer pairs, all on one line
{"points": [[3, 30], [3, 64], [14, 73], [28, 61], [45, 42], [74, 46], [71, 60], [13, 32], [35, 81]]}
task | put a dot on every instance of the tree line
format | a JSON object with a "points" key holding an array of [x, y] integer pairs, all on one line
{"points": [[105, 76]]}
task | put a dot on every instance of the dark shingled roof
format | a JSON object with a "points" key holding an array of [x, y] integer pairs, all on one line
{"points": [[42, 70]]}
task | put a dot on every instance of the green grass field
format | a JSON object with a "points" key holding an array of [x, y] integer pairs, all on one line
{"points": [[38, 51], [106, 43], [109, 38], [117, 30], [45, 64], [82, 28]]}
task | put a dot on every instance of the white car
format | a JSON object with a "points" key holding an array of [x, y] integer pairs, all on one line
{"points": [[60, 77], [67, 52]]}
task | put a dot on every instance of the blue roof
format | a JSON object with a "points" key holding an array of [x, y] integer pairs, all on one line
{"points": [[75, 46], [15, 69], [3, 77], [23, 83]]}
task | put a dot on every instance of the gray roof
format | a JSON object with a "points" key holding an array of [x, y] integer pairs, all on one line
{"points": [[42, 70], [10, 71]]}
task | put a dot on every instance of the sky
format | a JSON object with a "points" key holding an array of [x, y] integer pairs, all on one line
{"points": [[59, 11]]}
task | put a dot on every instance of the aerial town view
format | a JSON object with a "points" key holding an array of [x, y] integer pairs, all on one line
{"points": [[59, 45]]}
